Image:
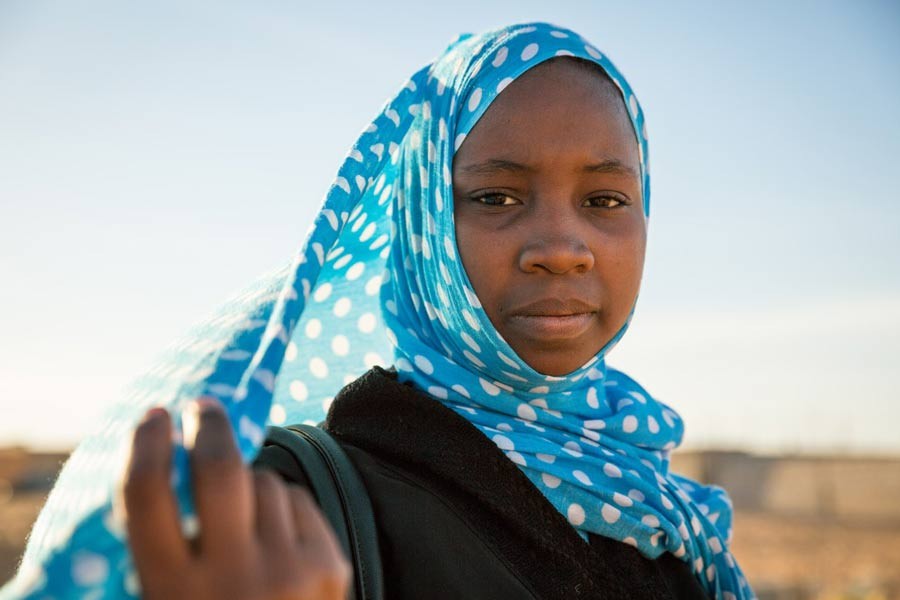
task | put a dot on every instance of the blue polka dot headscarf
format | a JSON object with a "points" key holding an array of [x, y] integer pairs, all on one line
{"points": [[379, 276]]}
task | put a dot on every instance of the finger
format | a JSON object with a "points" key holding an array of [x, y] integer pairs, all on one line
{"points": [[313, 529], [274, 517], [154, 532], [223, 492], [331, 573]]}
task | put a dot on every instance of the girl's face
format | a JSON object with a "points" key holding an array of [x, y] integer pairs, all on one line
{"points": [[549, 221]]}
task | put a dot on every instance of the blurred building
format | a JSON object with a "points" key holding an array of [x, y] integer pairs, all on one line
{"points": [[810, 527], [806, 527], [25, 480]]}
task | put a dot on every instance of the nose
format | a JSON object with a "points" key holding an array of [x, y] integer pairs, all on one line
{"points": [[556, 246]]}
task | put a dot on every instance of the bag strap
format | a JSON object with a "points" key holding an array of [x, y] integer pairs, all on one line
{"points": [[342, 496]]}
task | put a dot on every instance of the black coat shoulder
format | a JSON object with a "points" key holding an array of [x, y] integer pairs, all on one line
{"points": [[457, 519]]}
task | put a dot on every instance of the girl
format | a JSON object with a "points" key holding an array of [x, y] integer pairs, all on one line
{"points": [[488, 229]]}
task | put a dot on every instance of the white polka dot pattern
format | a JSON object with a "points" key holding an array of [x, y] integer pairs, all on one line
{"points": [[595, 443], [590, 441]]}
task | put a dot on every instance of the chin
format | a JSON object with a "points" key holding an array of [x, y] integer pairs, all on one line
{"points": [[560, 365], [557, 356]]}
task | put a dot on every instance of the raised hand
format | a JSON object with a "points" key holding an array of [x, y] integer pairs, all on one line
{"points": [[260, 538]]}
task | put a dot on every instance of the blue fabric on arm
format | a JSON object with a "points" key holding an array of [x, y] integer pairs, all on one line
{"points": [[379, 281]]}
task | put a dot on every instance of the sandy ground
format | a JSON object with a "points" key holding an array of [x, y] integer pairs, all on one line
{"points": [[16, 516], [809, 558], [784, 558]]}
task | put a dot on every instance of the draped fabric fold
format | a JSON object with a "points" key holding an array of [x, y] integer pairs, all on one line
{"points": [[378, 281]]}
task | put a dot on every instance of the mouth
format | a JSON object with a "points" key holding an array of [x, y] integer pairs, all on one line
{"points": [[554, 327], [554, 318]]}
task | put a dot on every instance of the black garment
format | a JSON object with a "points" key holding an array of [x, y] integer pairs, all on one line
{"points": [[457, 519]]}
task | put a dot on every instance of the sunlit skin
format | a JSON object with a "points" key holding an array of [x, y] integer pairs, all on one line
{"points": [[260, 537], [551, 233], [549, 222]]}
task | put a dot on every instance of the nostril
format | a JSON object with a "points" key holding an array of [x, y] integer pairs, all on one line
{"points": [[556, 257]]}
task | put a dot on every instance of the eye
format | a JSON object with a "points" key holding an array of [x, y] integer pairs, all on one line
{"points": [[495, 199], [605, 202]]}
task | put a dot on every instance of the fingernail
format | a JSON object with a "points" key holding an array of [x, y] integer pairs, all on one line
{"points": [[207, 404], [153, 414]]}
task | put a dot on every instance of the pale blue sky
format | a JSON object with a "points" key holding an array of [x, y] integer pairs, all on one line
{"points": [[156, 157]]}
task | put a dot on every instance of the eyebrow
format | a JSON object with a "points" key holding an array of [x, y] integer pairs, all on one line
{"points": [[493, 166], [611, 165]]}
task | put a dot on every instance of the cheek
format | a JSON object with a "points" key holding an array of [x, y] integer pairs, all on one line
{"points": [[485, 261], [623, 266], [471, 248]]}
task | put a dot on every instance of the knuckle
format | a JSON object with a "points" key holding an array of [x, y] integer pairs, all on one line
{"points": [[301, 497], [152, 430], [337, 577], [321, 581], [302, 493], [215, 446], [213, 416], [222, 472], [333, 566], [267, 481], [215, 456], [345, 570], [174, 585], [271, 496], [137, 484], [142, 482]]}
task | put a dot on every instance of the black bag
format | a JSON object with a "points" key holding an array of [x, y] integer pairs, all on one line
{"points": [[308, 455]]}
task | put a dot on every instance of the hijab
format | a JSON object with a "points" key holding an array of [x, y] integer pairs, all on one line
{"points": [[379, 281]]}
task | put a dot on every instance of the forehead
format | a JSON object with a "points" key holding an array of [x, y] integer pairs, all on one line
{"points": [[561, 76], [559, 107]]}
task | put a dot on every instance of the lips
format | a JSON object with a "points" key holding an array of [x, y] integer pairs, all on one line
{"points": [[554, 318], [555, 307]]}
